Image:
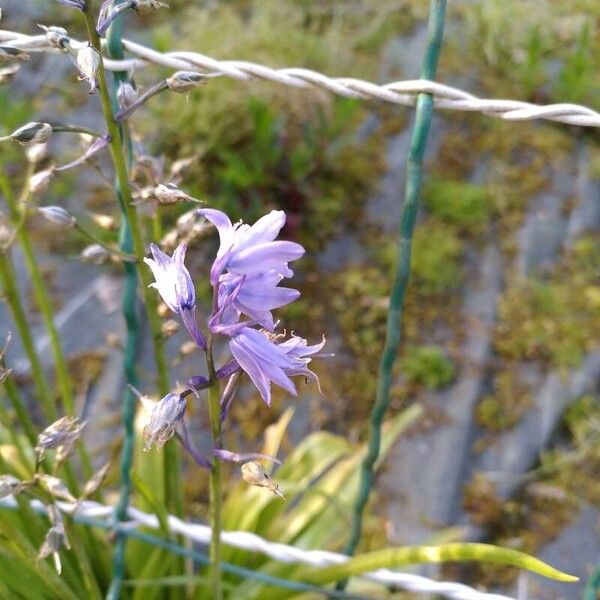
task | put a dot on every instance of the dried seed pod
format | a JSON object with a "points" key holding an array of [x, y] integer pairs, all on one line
{"points": [[40, 181], [169, 327], [55, 539], [95, 254], [57, 215], [57, 37], [126, 94], [56, 487], [254, 474], [10, 485], [32, 133], [35, 153], [146, 6], [169, 193], [94, 483], [167, 413], [104, 221], [60, 436], [87, 63], [185, 81]]}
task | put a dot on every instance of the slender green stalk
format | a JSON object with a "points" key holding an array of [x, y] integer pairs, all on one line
{"points": [[414, 174], [131, 242], [94, 238], [40, 290], [76, 129], [214, 408], [21, 411], [11, 293]]}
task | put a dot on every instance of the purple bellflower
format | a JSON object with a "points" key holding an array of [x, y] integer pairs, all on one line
{"points": [[176, 287], [248, 268], [266, 361], [251, 250]]}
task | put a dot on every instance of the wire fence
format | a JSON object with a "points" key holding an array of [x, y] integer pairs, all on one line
{"points": [[423, 93], [397, 92], [101, 515]]}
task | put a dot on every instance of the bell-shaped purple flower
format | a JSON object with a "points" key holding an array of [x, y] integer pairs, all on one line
{"points": [[253, 295], [266, 361], [173, 280], [176, 287], [251, 250]]}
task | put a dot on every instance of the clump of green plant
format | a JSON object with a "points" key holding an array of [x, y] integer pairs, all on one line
{"points": [[464, 205], [435, 262], [504, 407], [272, 145], [553, 320], [574, 468], [428, 366]]}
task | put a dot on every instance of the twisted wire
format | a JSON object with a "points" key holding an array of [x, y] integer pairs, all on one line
{"points": [[251, 542], [398, 92]]}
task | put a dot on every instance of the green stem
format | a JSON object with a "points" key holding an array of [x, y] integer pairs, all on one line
{"points": [[414, 176], [11, 293], [40, 291], [76, 129], [94, 238], [214, 407], [21, 411], [131, 242], [42, 299]]}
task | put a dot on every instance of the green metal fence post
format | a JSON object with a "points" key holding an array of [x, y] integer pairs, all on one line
{"points": [[414, 175]]}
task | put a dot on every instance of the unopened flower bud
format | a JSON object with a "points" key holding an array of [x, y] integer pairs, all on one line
{"points": [[169, 193], [170, 239], [32, 133], [146, 6], [7, 73], [88, 62], [57, 37], [39, 181], [35, 153], [12, 53], [254, 474], [185, 81], [126, 94], [94, 253], [57, 215], [164, 419], [188, 348]]}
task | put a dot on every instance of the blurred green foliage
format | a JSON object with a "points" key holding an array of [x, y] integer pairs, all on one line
{"points": [[427, 365], [464, 205], [555, 320]]}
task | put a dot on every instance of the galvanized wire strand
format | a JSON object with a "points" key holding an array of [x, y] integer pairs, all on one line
{"points": [[398, 92], [251, 542]]}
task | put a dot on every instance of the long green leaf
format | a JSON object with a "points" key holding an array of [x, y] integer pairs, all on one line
{"points": [[411, 555]]}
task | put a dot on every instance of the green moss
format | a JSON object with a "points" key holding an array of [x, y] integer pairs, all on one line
{"points": [[435, 263], [265, 145], [428, 366], [554, 320], [503, 408], [464, 205]]}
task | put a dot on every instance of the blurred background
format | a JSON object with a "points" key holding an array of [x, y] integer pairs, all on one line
{"points": [[502, 326]]}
